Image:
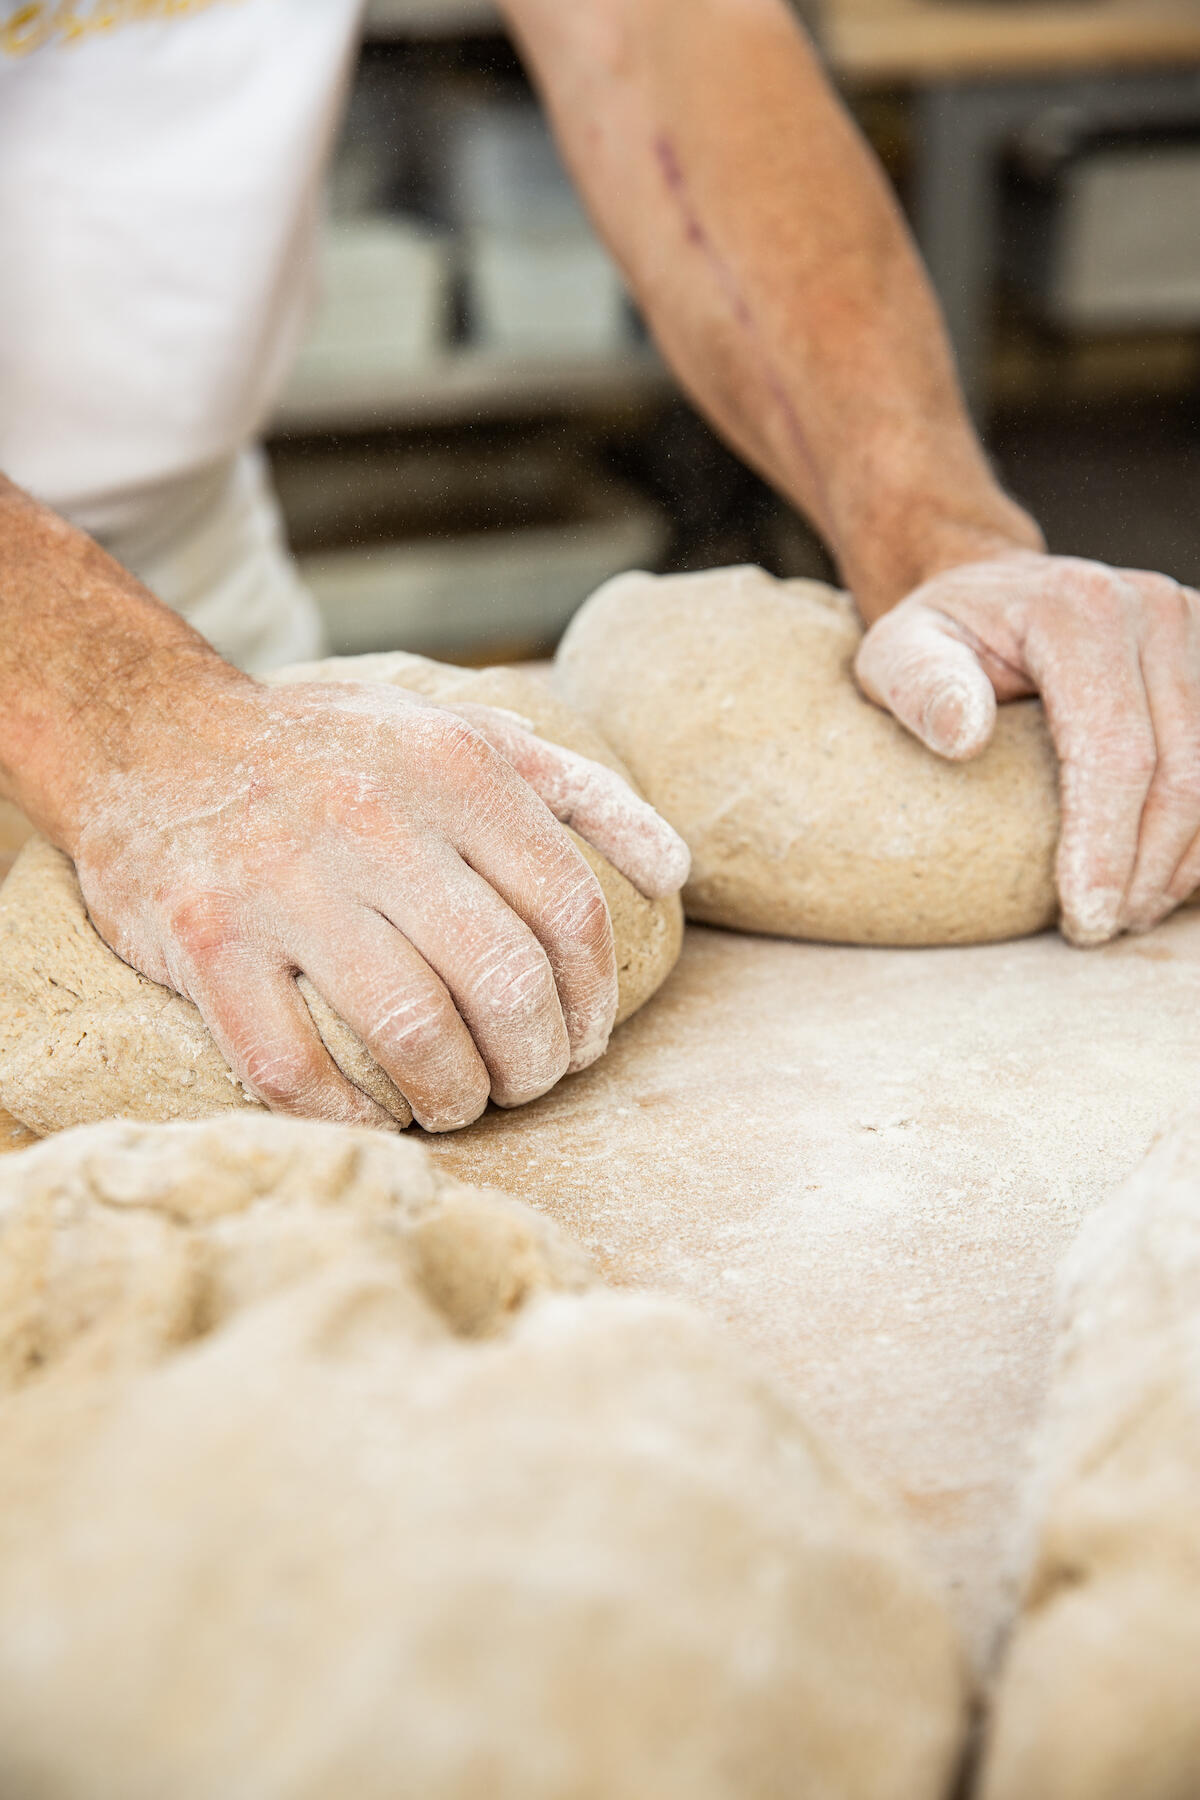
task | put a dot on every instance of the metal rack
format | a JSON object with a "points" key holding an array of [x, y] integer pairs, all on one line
{"points": [[468, 385], [465, 384], [397, 20]]}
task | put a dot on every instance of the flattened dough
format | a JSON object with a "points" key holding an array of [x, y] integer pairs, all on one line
{"points": [[809, 812], [1099, 1698], [322, 1475], [84, 1037]]}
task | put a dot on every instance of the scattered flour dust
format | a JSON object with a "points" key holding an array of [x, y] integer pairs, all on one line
{"points": [[867, 1162]]}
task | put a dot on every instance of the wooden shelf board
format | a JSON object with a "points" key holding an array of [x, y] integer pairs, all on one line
{"points": [[400, 19], [917, 40], [471, 384]]}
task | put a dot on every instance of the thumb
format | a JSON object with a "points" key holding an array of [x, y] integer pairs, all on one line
{"points": [[913, 662]]}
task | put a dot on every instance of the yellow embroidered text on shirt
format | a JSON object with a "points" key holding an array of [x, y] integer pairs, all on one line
{"points": [[63, 22]]}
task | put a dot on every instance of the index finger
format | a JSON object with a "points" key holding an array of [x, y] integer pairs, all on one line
{"points": [[1099, 717], [594, 801]]}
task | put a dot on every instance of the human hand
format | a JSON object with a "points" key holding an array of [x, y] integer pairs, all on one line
{"points": [[404, 857], [1115, 656]]}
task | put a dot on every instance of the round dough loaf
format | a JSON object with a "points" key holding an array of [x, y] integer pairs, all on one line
{"points": [[1099, 1696], [84, 1037], [809, 812], [322, 1475]]}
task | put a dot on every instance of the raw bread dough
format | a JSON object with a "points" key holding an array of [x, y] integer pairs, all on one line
{"points": [[1099, 1698], [809, 812], [321, 1475], [84, 1037]]}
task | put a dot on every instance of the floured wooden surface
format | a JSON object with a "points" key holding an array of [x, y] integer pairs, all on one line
{"points": [[868, 1162]]}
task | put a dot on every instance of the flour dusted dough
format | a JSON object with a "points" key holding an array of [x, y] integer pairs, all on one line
{"points": [[1100, 1696], [322, 1475], [84, 1037], [809, 812]]}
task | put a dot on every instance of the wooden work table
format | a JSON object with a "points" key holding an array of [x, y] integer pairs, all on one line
{"points": [[865, 1164]]}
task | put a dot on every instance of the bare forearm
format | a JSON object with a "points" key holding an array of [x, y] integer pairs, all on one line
{"points": [[775, 270], [229, 835], [92, 666]]}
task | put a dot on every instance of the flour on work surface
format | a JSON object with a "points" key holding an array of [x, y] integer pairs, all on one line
{"points": [[808, 811], [866, 1163], [324, 1475]]}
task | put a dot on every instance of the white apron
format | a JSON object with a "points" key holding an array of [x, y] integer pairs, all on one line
{"points": [[160, 165]]}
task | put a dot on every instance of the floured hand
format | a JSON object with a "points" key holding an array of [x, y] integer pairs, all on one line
{"points": [[406, 857], [1115, 656]]}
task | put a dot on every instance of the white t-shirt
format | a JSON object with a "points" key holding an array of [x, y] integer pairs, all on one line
{"points": [[160, 166]]}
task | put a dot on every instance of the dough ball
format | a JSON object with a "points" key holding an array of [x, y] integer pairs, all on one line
{"points": [[322, 1475], [809, 812], [85, 1037], [1099, 1697]]}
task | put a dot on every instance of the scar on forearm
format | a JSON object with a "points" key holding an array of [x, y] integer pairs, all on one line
{"points": [[698, 237]]}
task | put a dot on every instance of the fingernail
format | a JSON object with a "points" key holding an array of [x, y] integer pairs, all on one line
{"points": [[954, 719], [1094, 919], [667, 871], [587, 1054], [439, 1122]]}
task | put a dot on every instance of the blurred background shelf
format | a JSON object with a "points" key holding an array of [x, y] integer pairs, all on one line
{"points": [[397, 20], [468, 385], [921, 40], [477, 427]]}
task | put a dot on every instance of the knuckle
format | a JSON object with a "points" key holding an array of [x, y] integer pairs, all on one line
{"points": [[1160, 591], [514, 980], [202, 923], [1137, 759], [1132, 764], [446, 735], [579, 912], [1178, 780], [287, 1076], [419, 1036], [415, 1027], [1120, 758]]}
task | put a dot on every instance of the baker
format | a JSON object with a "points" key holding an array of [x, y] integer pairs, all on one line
{"points": [[159, 166]]}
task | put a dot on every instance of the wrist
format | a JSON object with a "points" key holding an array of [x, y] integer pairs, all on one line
{"points": [[97, 677], [926, 541], [914, 499], [87, 754]]}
